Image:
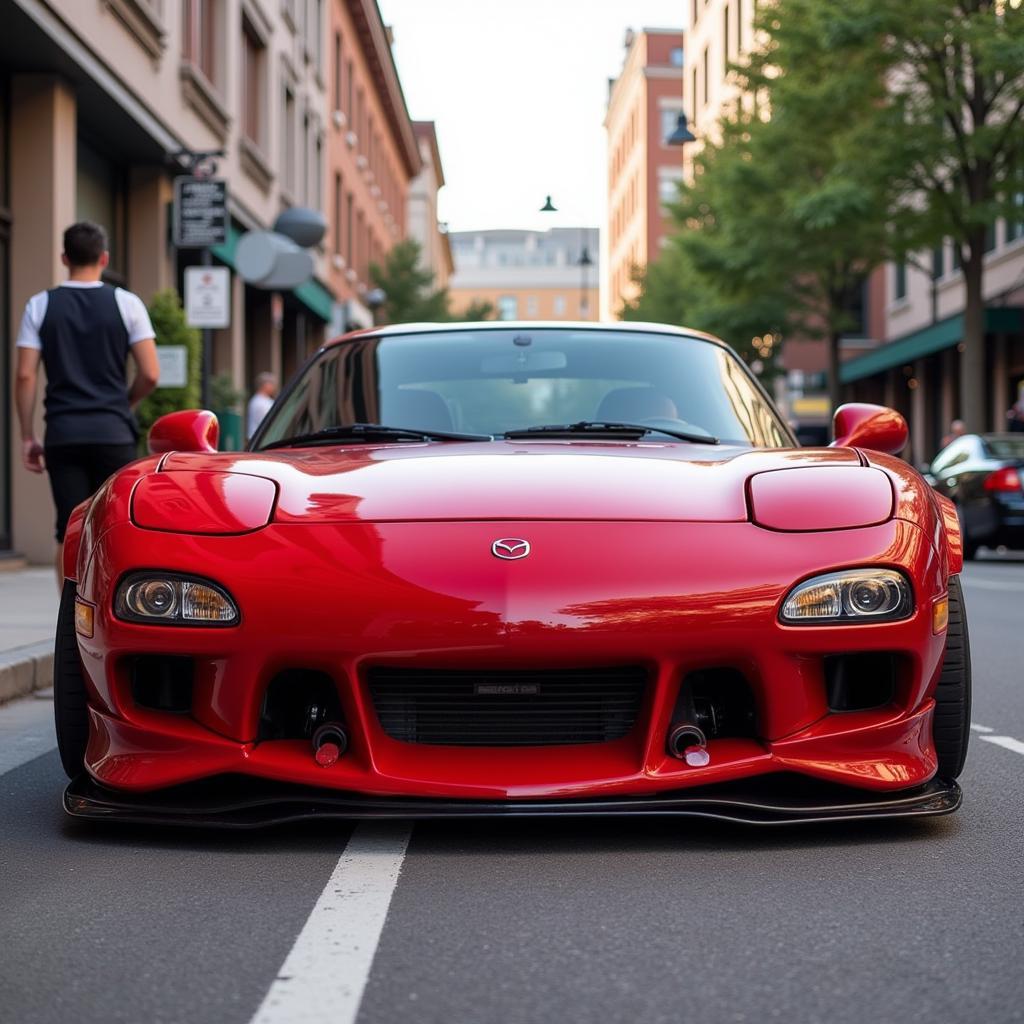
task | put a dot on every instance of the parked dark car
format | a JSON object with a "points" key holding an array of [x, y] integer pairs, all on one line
{"points": [[983, 474]]}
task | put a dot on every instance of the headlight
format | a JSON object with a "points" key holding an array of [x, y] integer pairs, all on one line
{"points": [[174, 600], [855, 595]]}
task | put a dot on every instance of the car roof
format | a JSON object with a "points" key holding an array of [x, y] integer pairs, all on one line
{"points": [[618, 327]]}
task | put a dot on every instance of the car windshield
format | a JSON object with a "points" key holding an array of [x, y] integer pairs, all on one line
{"points": [[493, 380], [1011, 447]]}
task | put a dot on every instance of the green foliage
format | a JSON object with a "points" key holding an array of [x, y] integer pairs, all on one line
{"points": [[224, 396], [411, 296], [170, 328]]}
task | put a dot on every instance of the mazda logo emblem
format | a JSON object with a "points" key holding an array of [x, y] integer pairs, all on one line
{"points": [[510, 548]]}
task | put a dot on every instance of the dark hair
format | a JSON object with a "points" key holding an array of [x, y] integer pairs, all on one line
{"points": [[84, 244]]}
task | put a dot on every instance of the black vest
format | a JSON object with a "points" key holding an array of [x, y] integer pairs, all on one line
{"points": [[85, 351]]}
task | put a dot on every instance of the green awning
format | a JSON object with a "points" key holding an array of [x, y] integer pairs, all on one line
{"points": [[925, 342], [313, 295]]}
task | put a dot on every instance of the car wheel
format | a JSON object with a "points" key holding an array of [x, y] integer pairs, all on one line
{"points": [[951, 727], [69, 708]]}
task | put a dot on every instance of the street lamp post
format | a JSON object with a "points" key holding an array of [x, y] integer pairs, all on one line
{"points": [[583, 262]]}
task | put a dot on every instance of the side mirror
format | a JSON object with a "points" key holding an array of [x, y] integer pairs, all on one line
{"points": [[858, 425], [191, 430]]}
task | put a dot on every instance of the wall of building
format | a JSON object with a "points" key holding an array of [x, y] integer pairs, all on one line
{"points": [[372, 153], [422, 220], [643, 104], [101, 92], [527, 275]]}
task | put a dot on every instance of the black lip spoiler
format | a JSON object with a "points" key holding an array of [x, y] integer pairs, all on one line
{"points": [[236, 803]]}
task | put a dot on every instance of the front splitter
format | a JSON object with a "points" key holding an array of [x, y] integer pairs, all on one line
{"points": [[236, 802]]}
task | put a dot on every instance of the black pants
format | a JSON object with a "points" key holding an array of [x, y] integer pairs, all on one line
{"points": [[77, 471]]}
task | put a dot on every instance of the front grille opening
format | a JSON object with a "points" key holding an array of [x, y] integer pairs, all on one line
{"points": [[859, 682], [296, 702], [163, 682], [515, 708], [719, 701]]}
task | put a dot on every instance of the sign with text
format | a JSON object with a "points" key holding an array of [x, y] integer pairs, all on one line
{"points": [[208, 296], [200, 212], [173, 366]]}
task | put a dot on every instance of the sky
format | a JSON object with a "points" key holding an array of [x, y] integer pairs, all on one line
{"points": [[518, 90]]}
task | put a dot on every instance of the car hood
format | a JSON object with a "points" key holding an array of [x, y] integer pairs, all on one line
{"points": [[503, 480]]}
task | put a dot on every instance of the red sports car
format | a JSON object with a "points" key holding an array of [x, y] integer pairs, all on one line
{"points": [[498, 569]]}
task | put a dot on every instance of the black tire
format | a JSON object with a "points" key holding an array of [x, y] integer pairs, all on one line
{"points": [[69, 708], [952, 726]]}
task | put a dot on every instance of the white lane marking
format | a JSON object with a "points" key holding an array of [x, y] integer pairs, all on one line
{"points": [[1006, 741], [981, 728], [26, 732], [324, 975]]}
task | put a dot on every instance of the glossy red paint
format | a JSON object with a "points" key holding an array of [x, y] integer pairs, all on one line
{"points": [[820, 498], [205, 502], [191, 430], [671, 556], [859, 425]]}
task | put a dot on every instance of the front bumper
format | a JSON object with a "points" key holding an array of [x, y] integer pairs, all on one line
{"points": [[236, 803], [673, 597]]}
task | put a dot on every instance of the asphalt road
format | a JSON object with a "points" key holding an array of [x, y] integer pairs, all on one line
{"points": [[532, 922]]}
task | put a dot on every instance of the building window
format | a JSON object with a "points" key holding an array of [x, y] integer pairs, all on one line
{"points": [[337, 71], [100, 196], [693, 14], [338, 213], [288, 147], [348, 102], [990, 238], [693, 99], [676, 56], [252, 83], [705, 83], [559, 305], [531, 305], [899, 287], [198, 43], [725, 40], [668, 188], [669, 119], [739, 26], [938, 262], [348, 230], [508, 307], [1015, 225], [318, 173]]}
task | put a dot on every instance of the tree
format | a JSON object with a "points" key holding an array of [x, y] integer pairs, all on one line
{"points": [[171, 328], [955, 71], [785, 218], [409, 287]]}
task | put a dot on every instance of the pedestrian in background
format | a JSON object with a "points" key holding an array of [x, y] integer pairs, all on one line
{"points": [[260, 403], [956, 429], [83, 331]]}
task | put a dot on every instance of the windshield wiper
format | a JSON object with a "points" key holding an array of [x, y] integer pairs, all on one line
{"points": [[616, 431], [369, 433]]}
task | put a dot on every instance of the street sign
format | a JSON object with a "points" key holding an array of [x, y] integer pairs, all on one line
{"points": [[208, 296], [200, 212], [173, 366]]}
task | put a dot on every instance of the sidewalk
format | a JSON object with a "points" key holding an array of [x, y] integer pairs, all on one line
{"points": [[28, 613]]}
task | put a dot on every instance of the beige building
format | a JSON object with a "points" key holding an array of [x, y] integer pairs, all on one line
{"points": [[916, 368], [423, 223], [94, 97], [527, 275], [644, 104]]}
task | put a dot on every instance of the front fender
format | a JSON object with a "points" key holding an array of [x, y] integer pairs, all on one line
{"points": [[951, 532]]}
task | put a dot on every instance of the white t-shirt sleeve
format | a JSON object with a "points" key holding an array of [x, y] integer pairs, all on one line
{"points": [[135, 316], [32, 320]]}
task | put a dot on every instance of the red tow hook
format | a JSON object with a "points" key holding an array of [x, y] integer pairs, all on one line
{"points": [[330, 741]]}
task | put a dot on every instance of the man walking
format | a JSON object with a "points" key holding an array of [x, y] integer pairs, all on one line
{"points": [[83, 331], [260, 403]]}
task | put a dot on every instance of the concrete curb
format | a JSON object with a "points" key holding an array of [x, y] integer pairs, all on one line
{"points": [[25, 669]]}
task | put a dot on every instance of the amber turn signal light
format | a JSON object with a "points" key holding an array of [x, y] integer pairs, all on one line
{"points": [[940, 614], [83, 618]]}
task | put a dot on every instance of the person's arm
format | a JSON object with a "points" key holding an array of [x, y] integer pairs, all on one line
{"points": [[25, 399], [147, 370]]}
